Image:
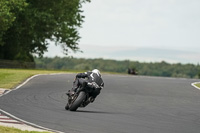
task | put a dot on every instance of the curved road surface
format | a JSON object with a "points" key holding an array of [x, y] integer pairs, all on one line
{"points": [[128, 104]]}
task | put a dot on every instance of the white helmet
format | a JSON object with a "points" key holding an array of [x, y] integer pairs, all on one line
{"points": [[96, 71]]}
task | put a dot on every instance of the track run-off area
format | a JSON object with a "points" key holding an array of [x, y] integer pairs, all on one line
{"points": [[127, 104]]}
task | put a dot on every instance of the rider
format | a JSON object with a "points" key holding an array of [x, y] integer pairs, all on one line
{"points": [[92, 79]]}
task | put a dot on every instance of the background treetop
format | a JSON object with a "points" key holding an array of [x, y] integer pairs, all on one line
{"points": [[26, 25]]}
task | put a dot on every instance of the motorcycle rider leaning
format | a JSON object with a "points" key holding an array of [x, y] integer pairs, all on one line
{"points": [[91, 79]]}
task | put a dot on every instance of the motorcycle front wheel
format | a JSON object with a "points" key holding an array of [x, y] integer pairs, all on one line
{"points": [[67, 107], [77, 102]]}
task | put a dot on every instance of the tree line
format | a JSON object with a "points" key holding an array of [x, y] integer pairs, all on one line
{"points": [[142, 68]]}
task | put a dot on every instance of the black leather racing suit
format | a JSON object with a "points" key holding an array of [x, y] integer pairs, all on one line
{"points": [[89, 78]]}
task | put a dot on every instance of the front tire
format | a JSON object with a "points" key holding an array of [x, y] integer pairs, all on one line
{"points": [[67, 107], [81, 97]]}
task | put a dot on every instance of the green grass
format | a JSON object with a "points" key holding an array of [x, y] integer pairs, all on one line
{"points": [[198, 85], [15, 130], [10, 78]]}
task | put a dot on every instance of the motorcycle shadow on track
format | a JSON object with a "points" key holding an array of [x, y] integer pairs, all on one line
{"points": [[96, 112]]}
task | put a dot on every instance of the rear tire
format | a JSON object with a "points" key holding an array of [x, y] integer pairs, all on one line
{"points": [[81, 97]]}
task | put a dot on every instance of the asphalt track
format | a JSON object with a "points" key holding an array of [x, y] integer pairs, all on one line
{"points": [[127, 104]]}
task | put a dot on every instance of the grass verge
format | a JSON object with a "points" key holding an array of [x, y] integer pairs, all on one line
{"points": [[15, 130], [9, 78], [198, 85]]}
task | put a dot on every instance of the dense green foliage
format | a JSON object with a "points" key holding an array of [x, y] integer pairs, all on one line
{"points": [[153, 69], [9, 10], [27, 25]]}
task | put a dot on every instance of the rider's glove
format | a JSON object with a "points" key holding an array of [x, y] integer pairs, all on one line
{"points": [[90, 85], [93, 85]]}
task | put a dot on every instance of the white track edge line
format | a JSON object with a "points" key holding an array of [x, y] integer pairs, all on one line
{"points": [[32, 124], [193, 84]]}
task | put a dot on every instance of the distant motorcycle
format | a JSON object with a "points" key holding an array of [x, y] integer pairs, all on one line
{"points": [[80, 98]]}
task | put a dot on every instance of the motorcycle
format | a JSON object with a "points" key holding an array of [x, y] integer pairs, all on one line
{"points": [[81, 98]]}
